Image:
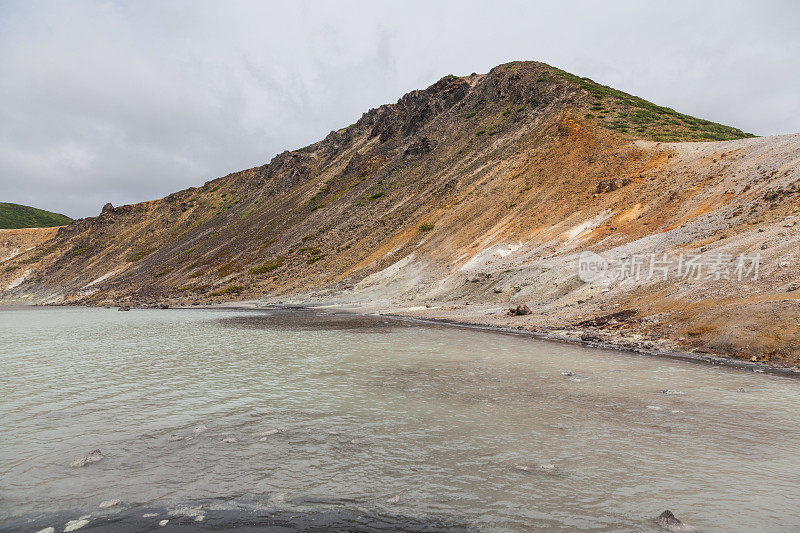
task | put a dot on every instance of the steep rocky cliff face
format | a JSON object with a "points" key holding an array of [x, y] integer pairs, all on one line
{"points": [[482, 189]]}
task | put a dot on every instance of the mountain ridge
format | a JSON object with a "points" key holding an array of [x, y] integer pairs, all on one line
{"points": [[417, 199]]}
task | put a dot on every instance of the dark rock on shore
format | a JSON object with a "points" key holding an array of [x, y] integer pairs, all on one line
{"points": [[519, 310], [611, 320], [588, 336]]}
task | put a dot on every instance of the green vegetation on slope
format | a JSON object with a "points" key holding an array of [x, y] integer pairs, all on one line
{"points": [[13, 216], [628, 114]]}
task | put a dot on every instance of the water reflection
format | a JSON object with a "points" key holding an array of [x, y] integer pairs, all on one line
{"points": [[310, 320]]}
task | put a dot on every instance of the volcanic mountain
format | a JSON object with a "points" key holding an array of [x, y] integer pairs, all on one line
{"points": [[477, 194]]}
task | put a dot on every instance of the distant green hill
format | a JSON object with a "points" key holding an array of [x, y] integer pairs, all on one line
{"points": [[13, 216]]}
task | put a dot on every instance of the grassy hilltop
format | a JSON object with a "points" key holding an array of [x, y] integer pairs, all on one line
{"points": [[14, 216]]}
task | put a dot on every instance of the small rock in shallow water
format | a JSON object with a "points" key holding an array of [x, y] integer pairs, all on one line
{"points": [[549, 469], [174, 438], [109, 503], [88, 459], [190, 512], [74, 525], [279, 498], [567, 373], [229, 439], [269, 432], [200, 429], [670, 391], [670, 522]]}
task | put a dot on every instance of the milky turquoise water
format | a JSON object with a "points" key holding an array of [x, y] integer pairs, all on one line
{"points": [[368, 418]]}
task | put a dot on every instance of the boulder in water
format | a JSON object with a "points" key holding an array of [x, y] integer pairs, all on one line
{"points": [[670, 522], [88, 459]]}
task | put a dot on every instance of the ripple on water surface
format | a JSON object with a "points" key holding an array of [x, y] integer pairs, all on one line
{"points": [[301, 418]]}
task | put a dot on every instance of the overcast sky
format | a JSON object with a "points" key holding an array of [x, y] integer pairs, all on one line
{"points": [[124, 102]]}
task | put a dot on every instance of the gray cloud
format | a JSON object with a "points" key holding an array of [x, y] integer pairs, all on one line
{"points": [[124, 102]]}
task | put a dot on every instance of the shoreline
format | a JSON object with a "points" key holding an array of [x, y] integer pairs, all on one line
{"points": [[681, 355], [628, 346], [705, 359]]}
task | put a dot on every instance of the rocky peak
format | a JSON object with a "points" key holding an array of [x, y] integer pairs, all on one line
{"points": [[417, 108]]}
